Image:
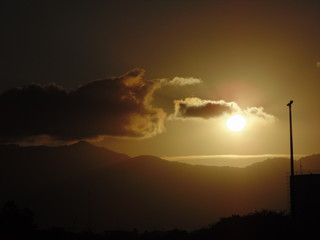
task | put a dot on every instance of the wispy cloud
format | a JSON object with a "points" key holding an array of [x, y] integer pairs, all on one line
{"points": [[180, 81], [226, 160], [258, 112]]}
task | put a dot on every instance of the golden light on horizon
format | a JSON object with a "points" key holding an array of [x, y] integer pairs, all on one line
{"points": [[236, 123]]}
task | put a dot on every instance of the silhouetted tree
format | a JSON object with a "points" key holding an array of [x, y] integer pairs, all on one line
{"points": [[55, 233], [263, 224], [119, 235], [16, 222]]}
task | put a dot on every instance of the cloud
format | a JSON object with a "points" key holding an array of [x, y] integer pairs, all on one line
{"points": [[226, 160], [122, 106], [259, 113], [116, 106], [179, 81], [196, 108], [199, 108]]}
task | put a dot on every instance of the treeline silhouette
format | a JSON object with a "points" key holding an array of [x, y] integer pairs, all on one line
{"points": [[18, 223]]}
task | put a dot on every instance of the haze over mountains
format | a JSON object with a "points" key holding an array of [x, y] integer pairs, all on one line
{"points": [[83, 186]]}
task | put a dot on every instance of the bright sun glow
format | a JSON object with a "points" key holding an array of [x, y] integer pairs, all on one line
{"points": [[236, 123]]}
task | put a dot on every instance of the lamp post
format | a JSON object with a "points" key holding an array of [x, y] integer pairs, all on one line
{"points": [[292, 188]]}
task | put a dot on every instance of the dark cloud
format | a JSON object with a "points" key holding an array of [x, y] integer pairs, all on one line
{"points": [[198, 108], [116, 106], [191, 108], [120, 106]]}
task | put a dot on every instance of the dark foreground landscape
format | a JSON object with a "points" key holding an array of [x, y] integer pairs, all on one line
{"points": [[82, 191], [16, 223]]}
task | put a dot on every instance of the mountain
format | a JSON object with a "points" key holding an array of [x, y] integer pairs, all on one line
{"points": [[82, 186], [25, 170], [308, 165], [63, 161]]}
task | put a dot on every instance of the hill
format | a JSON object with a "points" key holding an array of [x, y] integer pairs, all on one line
{"points": [[82, 186]]}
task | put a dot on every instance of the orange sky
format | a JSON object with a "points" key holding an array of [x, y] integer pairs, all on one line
{"points": [[254, 55]]}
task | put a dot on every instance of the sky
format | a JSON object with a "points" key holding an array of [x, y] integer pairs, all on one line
{"points": [[161, 77]]}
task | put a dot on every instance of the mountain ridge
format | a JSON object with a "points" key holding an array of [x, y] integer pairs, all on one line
{"points": [[144, 192]]}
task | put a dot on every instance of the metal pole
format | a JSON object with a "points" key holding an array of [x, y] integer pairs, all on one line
{"points": [[292, 188]]}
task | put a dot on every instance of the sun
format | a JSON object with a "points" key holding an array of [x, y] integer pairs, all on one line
{"points": [[236, 123]]}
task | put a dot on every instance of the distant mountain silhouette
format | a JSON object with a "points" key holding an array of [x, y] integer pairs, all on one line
{"points": [[64, 161], [309, 164], [83, 186]]}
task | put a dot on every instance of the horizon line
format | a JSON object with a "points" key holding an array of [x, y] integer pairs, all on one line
{"points": [[231, 160], [233, 156]]}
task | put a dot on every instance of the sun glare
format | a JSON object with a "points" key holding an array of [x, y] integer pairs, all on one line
{"points": [[236, 123]]}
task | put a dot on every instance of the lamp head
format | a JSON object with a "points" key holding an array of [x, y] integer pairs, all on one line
{"points": [[290, 103]]}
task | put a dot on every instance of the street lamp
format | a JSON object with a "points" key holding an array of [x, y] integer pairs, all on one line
{"points": [[292, 194]]}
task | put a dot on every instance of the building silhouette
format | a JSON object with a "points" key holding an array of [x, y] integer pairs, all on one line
{"points": [[307, 196]]}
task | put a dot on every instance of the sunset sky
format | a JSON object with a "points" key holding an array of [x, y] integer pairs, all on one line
{"points": [[161, 77]]}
